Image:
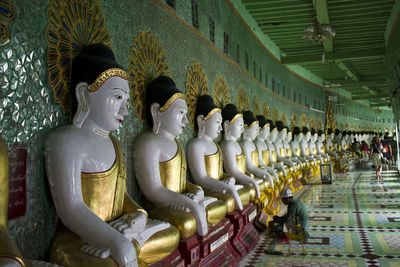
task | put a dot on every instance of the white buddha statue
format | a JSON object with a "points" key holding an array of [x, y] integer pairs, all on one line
{"points": [[330, 144], [235, 158], [296, 146], [205, 158], [262, 147], [273, 154], [289, 153], [338, 141], [305, 150], [321, 146], [251, 130], [101, 224], [160, 165], [313, 146], [280, 147]]}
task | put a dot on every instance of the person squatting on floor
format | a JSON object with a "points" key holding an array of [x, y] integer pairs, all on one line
{"points": [[297, 214]]}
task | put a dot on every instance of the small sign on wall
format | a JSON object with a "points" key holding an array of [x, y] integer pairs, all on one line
{"points": [[17, 157]]}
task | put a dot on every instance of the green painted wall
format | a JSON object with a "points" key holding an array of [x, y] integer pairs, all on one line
{"points": [[28, 113]]}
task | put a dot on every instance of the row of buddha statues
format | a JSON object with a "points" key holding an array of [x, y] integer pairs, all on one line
{"points": [[235, 183]]}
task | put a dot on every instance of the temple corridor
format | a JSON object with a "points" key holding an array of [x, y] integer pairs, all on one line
{"points": [[354, 222]]}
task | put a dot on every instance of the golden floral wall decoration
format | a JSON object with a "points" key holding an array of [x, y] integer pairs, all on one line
{"points": [[196, 85], [320, 125], [283, 118], [221, 93], [147, 61], [303, 120], [275, 115], [293, 121], [312, 123], [72, 25], [242, 100], [256, 106], [266, 112]]}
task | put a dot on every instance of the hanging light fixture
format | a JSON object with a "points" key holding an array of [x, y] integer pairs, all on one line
{"points": [[330, 84], [318, 32]]}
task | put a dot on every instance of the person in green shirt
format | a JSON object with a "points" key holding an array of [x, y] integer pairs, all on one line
{"points": [[297, 214]]}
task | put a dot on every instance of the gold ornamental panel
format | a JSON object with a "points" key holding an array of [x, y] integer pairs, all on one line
{"points": [[256, 107], [312, 123], [72, 25], [221, 92], [196, 85], [303, 120], [347, 127], [275, 115], [330, 121], [242, 100], [6, 15], [266, 112], [283, 118], [320, 125], [147, 61], [293, 121]]}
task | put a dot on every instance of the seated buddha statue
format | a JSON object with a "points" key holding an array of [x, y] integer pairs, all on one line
{"points": [[262, 147], [288, 149], [280, 148], [205, 158], [296, 148], [101, 224], [320, 144], [160, 164], [273, 153], [251, 130], [9, 252], [305, 150], [338, 141], [330, 144], [313, 147], [234, 158]]}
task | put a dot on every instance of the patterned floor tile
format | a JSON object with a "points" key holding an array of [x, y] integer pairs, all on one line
{"points": [[353, 222]]}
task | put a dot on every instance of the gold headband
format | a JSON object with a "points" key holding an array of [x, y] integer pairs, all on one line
{"points": [[239, 115], [214, 110], [105, 75], [171, 100], [282, 129], [251, 125], [265, 125]]}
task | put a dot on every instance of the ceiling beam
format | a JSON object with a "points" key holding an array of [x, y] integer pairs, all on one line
{"points": [[360, 82], [368, 97], [382, 104], [316, 58], [348, 71]]}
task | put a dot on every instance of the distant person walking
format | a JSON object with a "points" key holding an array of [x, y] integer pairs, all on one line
{"points": [[377, 156]]}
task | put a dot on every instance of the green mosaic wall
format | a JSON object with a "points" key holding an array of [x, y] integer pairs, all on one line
{"points": [[28, 113], [392, 60]]}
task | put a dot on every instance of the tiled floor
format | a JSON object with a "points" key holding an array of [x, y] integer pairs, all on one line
{"points": [[354, 222]]}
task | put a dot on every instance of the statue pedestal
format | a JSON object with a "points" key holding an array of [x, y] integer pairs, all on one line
{"points": [[214, 249], [245, 237], [298, 175], [173, 259]]}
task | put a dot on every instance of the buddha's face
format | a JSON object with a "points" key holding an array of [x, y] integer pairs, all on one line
{"points": [[236, 128], [314, 137], [321, 138], [212, 126], [264, 133], [289, 137], [174, 119], [331, 136], [282, 134], [108, 104], [299, 137], [307, 137], [253, 131], [274, 135]]}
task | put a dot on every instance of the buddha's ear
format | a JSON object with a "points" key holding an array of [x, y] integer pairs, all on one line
{"points": [[201, 125], [225, 125], [83, 109], [155, 115]]}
